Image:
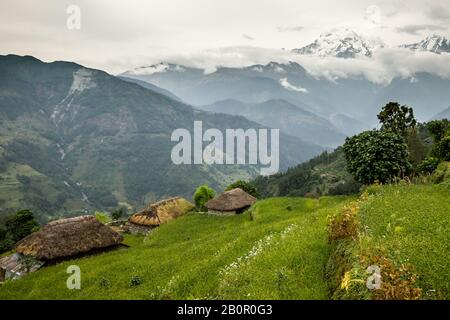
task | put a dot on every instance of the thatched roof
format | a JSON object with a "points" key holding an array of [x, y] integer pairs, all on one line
{"points": [[68, 237], [161, 212], [231, 200]]}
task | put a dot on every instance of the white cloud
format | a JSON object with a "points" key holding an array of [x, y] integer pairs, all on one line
{"points": [[285, 84], [415, 29], [157, 68], [116, 37], [373, 15], [232, 57], [290, 29], [247, 37], [386, 64]]}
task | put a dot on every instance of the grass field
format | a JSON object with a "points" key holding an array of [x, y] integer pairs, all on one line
{"points": [[410, 224], [278, 250], [403, 229]]}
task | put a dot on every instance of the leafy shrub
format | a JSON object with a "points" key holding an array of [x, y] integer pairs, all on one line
{"points": [[344, 224], [440, 131], [346, 270], [244, 185], [135, 281], [104, 283], [428, 165], [345, 188], [118, 213], [202, 195], [103, 217], [441, 149], [376, 156], [21, 224], [441, 173], [18, 226], [6, 244], [417, 149], [399, 283]]}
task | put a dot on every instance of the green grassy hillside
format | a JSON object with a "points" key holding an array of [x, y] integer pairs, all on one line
{"points": [[277, 251], [283, 248], [405, 230]]}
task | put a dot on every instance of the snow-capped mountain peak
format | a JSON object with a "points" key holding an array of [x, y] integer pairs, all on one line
{"points": [[434, 43], [341, 43], [276, 67], [156, 68]]}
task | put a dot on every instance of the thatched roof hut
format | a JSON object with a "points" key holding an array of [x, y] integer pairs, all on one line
{"points": [[68, 237], [161, 212], [232, 201]]}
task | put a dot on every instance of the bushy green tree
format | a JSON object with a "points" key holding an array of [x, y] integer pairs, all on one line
{"points": [[202, 195], [440, 131], [417, 149], [244, 185], [118, 213], [18, 226], [376, 156], [397, 119], [21, 224], [428, 165]]}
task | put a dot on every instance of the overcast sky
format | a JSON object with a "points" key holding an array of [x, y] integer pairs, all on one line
{"points": [[119, 35]]}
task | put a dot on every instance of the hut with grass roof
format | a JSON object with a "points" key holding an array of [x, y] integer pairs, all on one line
{"points": [[230, 202], [158, 213], [69, 237]]}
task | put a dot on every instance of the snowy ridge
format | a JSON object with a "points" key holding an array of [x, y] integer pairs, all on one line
{"points": [[341, 43], [434, 43], [156, 68]]}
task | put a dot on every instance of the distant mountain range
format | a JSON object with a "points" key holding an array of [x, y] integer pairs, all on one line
{"points": [[152, 87], [444, 114], [341, 43], [73, 138], [346, 43], [435, 43], [281, 114], [351, 98]]}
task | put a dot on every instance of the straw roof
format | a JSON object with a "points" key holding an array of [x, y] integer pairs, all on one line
{"points": [[161, 212], [68, 237], [232, 200]]}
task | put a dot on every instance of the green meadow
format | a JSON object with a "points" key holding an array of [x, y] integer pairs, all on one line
{"points": [[279, 249]]}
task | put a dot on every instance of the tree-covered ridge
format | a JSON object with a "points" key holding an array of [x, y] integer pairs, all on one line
{"points": [[402, 148], [322, 175], [73, 140]]}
